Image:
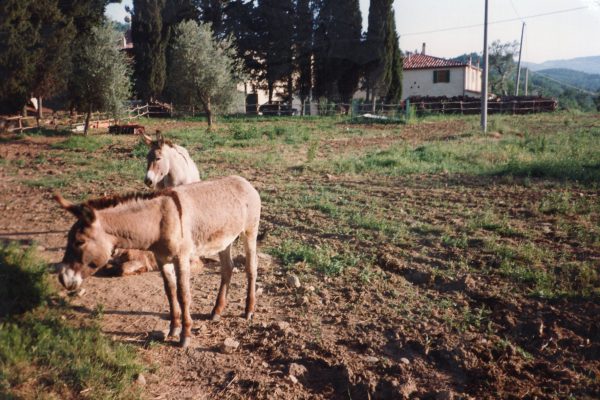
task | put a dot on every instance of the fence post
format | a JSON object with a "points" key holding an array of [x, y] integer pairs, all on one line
{"points": [[20, 125], [407, 110]]}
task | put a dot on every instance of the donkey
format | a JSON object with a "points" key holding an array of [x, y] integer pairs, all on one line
{"points": [[206, 216], [168, 164]]}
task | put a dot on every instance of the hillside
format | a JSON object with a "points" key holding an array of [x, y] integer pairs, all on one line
{"points": [[590, 65], [568, 96], [590, 82]]}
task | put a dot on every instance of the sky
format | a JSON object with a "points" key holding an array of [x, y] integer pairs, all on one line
{"points": [[559, 36]]}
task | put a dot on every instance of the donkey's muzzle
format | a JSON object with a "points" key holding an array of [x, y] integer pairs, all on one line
{"points": [[70, 279], [148, 182]]}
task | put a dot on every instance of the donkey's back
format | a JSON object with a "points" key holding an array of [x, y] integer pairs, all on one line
{"points": [[216, 212]]}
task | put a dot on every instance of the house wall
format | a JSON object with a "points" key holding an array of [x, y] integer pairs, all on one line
{"points": [[473, 81], [419, 82]]}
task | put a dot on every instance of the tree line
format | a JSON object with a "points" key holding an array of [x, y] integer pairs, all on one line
{"points": [[310, 47]]}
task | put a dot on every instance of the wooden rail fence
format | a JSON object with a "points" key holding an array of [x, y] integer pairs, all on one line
{"points": [[66, 121]]}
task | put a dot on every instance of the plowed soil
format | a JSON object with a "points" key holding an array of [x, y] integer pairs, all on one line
{"points": [[404, 331]]}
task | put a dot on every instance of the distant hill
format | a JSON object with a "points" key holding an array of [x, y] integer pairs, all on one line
{"points": [[590, 65], [589, 82]]}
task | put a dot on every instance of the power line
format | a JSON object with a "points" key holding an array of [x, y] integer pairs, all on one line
{"points": [[512, 4], [502, 21]]}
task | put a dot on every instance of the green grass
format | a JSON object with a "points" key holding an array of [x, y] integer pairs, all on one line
{"points": [[319, 258], [560, 155], [42, 355], [88, 144]]}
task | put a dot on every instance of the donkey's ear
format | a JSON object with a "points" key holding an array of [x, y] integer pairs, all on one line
{"points": [[81, 211], [147, 139], [159, 138], [67, 205]]}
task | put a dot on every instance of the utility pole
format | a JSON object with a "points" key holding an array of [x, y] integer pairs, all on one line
{"points": [[484, 83], [519, 65], [526, 80]]}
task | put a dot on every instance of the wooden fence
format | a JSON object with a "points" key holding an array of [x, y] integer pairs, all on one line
{"points": [[72, 122]]}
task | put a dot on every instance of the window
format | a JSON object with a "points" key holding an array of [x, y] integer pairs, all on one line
{"points": [[441, 76]]}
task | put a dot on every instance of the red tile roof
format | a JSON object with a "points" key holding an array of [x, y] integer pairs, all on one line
{"points": [[422, 61]]}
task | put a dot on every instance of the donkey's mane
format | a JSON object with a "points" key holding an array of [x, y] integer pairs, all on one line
{"points": [[115, 200]]}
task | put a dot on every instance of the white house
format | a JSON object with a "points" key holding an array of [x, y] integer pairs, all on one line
{"points": [[432, 76]]}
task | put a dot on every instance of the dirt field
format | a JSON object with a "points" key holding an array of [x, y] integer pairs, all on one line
{"points": [[424, 273]]}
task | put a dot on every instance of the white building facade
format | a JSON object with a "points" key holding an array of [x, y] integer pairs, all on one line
{"points": [[425, 75]]}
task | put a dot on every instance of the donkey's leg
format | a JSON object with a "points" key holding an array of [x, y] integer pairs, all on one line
{"points": [[182, 269], [169, 280], [226, 270], [251, 270]]}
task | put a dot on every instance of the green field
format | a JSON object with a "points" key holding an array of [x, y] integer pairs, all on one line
{"points": [[454, 235]]}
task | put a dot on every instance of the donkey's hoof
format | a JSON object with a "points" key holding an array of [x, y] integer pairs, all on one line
{"points": [[215, 317], [249, 315], [174, 334], [184, 342]]}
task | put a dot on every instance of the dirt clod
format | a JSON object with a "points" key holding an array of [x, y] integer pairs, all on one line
{"points": [[293, 281], [297, 370], [229, 345], [140, 379]]}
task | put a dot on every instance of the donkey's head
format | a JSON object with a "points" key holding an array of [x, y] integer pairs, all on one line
{"points": [[158, 162], [88, 246]]}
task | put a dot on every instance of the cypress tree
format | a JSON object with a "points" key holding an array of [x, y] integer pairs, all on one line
{"points": [[242, 23], [394, 94], [34, 51], [211, 11], [378, 55], [277, 23], [337, 44], [150, 41], [303, 45], [17, 58], [56, 32]]}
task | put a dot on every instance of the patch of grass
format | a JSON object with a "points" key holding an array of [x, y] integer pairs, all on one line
{"points": [[48, 182], [490, 221], [321, 259], [23, 283], [140, 150], [562, 155], [42, 355], [83, 143], [459, 242], [244, 132]]}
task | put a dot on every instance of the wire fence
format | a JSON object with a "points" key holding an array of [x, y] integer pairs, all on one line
{"points": [[427, 106]]}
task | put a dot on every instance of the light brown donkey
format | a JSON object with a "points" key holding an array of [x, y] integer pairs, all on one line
{"points": [[206, 216]]}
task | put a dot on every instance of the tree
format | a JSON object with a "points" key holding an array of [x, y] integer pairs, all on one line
{"points": [[211, 12], [337, 38], [303, 44], [56, 31], [242, 23], [378, 55], [206, 71], [100, 77], [17, 60], [149, 44], [34, 51], [394, 93], [502, 66], [277, 28]]}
